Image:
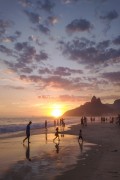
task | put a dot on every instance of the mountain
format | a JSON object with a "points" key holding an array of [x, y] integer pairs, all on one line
{"points": [[95, 108]]}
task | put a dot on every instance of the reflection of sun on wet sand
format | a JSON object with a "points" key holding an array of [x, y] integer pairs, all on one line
{"points": [[98, 157], [38, 159]]}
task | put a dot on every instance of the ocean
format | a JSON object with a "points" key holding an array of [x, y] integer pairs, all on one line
{"points": [[10, 125]]}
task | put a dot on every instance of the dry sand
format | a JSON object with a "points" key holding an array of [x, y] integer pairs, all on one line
{"points": [[97, 159]]}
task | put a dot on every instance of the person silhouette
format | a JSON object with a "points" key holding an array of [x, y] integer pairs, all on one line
{"points": [[27, 133], [57, 134], [80, 136]]}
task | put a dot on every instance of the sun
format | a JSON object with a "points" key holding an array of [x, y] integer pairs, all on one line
{"points": [[56, 112]]}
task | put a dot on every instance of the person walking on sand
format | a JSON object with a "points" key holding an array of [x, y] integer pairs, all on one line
{"points": [[27, 132], [80, 136], [57, 134]]}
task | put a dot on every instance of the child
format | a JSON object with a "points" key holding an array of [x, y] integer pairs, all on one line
{"points": [[56, 134]]}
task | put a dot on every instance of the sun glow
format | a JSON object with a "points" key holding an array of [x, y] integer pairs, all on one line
{"points": [[56, 112]]}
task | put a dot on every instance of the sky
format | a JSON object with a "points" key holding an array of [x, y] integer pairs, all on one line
{"points": [[56, 54]]}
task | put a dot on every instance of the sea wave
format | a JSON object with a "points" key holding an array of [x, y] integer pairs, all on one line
{"points": [[19, 124]]}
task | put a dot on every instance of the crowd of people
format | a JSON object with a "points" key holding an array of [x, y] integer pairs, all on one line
{"points": [[60, 122]]}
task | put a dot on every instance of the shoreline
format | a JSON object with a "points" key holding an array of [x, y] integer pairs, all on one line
{"points": [[51, 129]]}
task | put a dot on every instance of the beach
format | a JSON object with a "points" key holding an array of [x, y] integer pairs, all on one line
{"points": [[103, 160], [98, 157]]}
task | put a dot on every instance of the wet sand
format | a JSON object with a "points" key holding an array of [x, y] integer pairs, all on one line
{"points": [[97, 158]]}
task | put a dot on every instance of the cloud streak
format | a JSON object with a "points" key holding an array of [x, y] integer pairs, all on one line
{"points": [[112, 76], [57, 82], [60, 71]]}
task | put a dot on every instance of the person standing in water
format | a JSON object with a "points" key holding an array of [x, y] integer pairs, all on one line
{"points": [[27, 132], [80, 136]]}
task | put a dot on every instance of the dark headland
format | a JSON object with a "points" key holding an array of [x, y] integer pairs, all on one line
{"points": [[95, 108]]}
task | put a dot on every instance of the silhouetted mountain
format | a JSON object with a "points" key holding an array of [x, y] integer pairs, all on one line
{"points": [[95, 108]]}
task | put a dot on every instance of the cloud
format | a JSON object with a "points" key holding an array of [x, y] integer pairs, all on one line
{"points": [[69, 1], [13, 87], [52, 20], [56, 82], [20, 46], [65, 98], [16, 67], [25, 3], [116, 41], [72, 98], [8, 39], [103, 45], [27, 58], [20, 67], [46, 5], [45, 71], [41, 56], [112, 76], [33, 38], [110, 15], [108, 18], [6, 50], [88, 52], [60, 71], [79, 25], [110, 97], [18, 33], [33, 17], [29, 54], [4, 25], [26, 70], [64, 71], [88, 1], [45, 30]]}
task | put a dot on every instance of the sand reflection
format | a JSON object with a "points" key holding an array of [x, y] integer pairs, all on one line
{"points": [[43, 160], [27, 148]]}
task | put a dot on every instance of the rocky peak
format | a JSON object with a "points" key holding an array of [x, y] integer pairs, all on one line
{"points": [[95, 100]]}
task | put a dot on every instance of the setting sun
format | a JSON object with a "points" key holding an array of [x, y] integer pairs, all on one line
{"points": [[56, 111]]}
